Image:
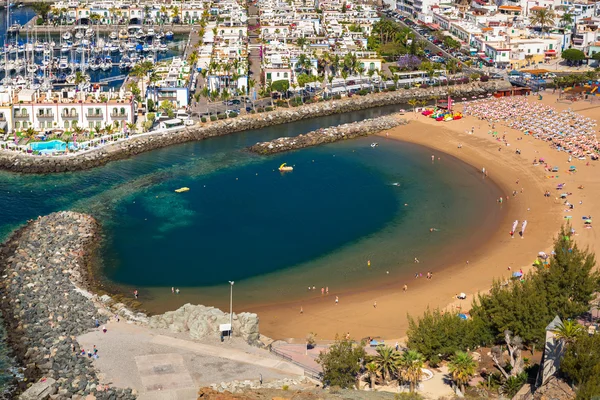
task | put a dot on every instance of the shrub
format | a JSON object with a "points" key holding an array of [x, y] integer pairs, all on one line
{"points": [[213, 117], [221, 116], [363, 92], [252, 111], [424, 86], [337, 96], [484, 78], [203, 119], [268, 108], [285, 387], [233, 114], [39, 21]]}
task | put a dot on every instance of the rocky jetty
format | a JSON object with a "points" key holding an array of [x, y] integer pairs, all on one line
{"points": [[46, 308], [26, 163], [201, 321], [240, 386], [329, 135]]}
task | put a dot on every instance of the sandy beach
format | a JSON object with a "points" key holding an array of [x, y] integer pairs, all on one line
{"points": [[356, 313]]}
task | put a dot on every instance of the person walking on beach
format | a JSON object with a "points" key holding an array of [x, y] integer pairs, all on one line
{"points": [[337, 300], [135, 293], [416, 260], [375, 304], [405, 288], [322, 291], [301, 310]]}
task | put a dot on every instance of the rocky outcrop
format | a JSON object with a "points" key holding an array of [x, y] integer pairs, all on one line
{"points": [[201, 322], [240, 386], [329, 135], [44, 309], [25, 163]]}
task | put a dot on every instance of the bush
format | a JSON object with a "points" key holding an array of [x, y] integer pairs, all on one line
{"points": [[285, 387], [233, 114], [221, 116], [337, 96], [252, 111], [213, 117], [39, 21], [203, 119], [484, 78], [424, 86], [268, 108], [363, 92]]}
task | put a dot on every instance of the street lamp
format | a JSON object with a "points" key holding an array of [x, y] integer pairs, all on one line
{"points": [[231, 309]]}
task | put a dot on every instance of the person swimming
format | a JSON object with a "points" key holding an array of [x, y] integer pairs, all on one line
{"points": [[433, 230]]}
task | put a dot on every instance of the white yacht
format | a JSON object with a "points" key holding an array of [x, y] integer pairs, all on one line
{"points": [[67, 36]]}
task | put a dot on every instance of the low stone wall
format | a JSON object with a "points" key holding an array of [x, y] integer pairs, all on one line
{"points": [[26, 163], [329, 135], [44, 309], [200, 322]]}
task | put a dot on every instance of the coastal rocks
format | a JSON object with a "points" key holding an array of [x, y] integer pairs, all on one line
{"points": [[240, 386], [201, 322], [26, 163], [329, 135], [44, 309]]}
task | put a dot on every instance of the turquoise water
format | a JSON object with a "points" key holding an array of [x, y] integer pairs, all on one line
{"points": [[51, 146], [273, 234]]}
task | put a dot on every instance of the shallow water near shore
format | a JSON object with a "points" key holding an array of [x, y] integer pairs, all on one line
{"points": [[345, 206]]}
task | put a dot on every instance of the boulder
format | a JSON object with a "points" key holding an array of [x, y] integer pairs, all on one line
{"points": [[40, 390]]}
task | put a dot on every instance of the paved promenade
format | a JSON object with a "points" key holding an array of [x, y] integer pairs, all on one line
{"points": [[161, 365]]}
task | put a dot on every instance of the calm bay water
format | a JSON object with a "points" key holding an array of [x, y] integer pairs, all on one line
{"points": [[274, 234]]}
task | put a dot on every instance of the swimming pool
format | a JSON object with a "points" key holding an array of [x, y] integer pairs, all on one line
{"points": [[51, 146]]}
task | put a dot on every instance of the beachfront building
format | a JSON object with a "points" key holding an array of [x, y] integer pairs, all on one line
{"points": [[63, 111], [172, 85]]}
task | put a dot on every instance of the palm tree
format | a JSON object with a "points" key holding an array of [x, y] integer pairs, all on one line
{"points": [[97, 131], [543, 18], [566, 19], [304, 63], [131, 127], [410, 365], [42, 9], [413, 103], [462, 367], [372, 372], [80, 78], [568, 331], [30, 132], [175, 13], [386, 362]]}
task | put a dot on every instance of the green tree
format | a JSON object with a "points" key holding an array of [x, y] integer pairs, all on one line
{"points": [[581, 358], [372, 373], [410, 365], [281, 86], [566, 19], [462, 367], [543, 18], [341, 363], [167, 108], [573, 55], [386, 361], [568, 332], [590, 389], [42, 9]]}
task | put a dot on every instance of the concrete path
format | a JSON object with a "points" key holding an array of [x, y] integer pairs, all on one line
{"points": [[230, 354], [162, 365]]}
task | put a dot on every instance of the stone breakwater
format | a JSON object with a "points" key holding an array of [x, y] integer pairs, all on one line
{"points": [[329, 135], [45, 308], [25, 163], [201, 321]]}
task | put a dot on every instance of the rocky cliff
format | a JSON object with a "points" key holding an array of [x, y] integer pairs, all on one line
{"points": [[26, 163], [44, 309], [201, 321], [329, 135]]}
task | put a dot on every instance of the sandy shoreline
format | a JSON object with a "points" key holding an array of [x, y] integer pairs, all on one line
{"points": [[355, 312]]}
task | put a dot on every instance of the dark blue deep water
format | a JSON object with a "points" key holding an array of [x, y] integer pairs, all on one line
{"points": [[274, 234]]}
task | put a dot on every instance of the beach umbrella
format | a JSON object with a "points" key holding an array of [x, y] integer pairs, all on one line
{"points": [[463, 316], [517, 274], [523, 226]]}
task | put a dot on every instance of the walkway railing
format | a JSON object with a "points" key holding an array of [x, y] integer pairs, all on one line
{"points": [[308, 371]]}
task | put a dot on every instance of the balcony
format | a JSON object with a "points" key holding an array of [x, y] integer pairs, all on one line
{"points": [[118, 115], [70, 115], [21, 115], [46, 116], [94, 115]]}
